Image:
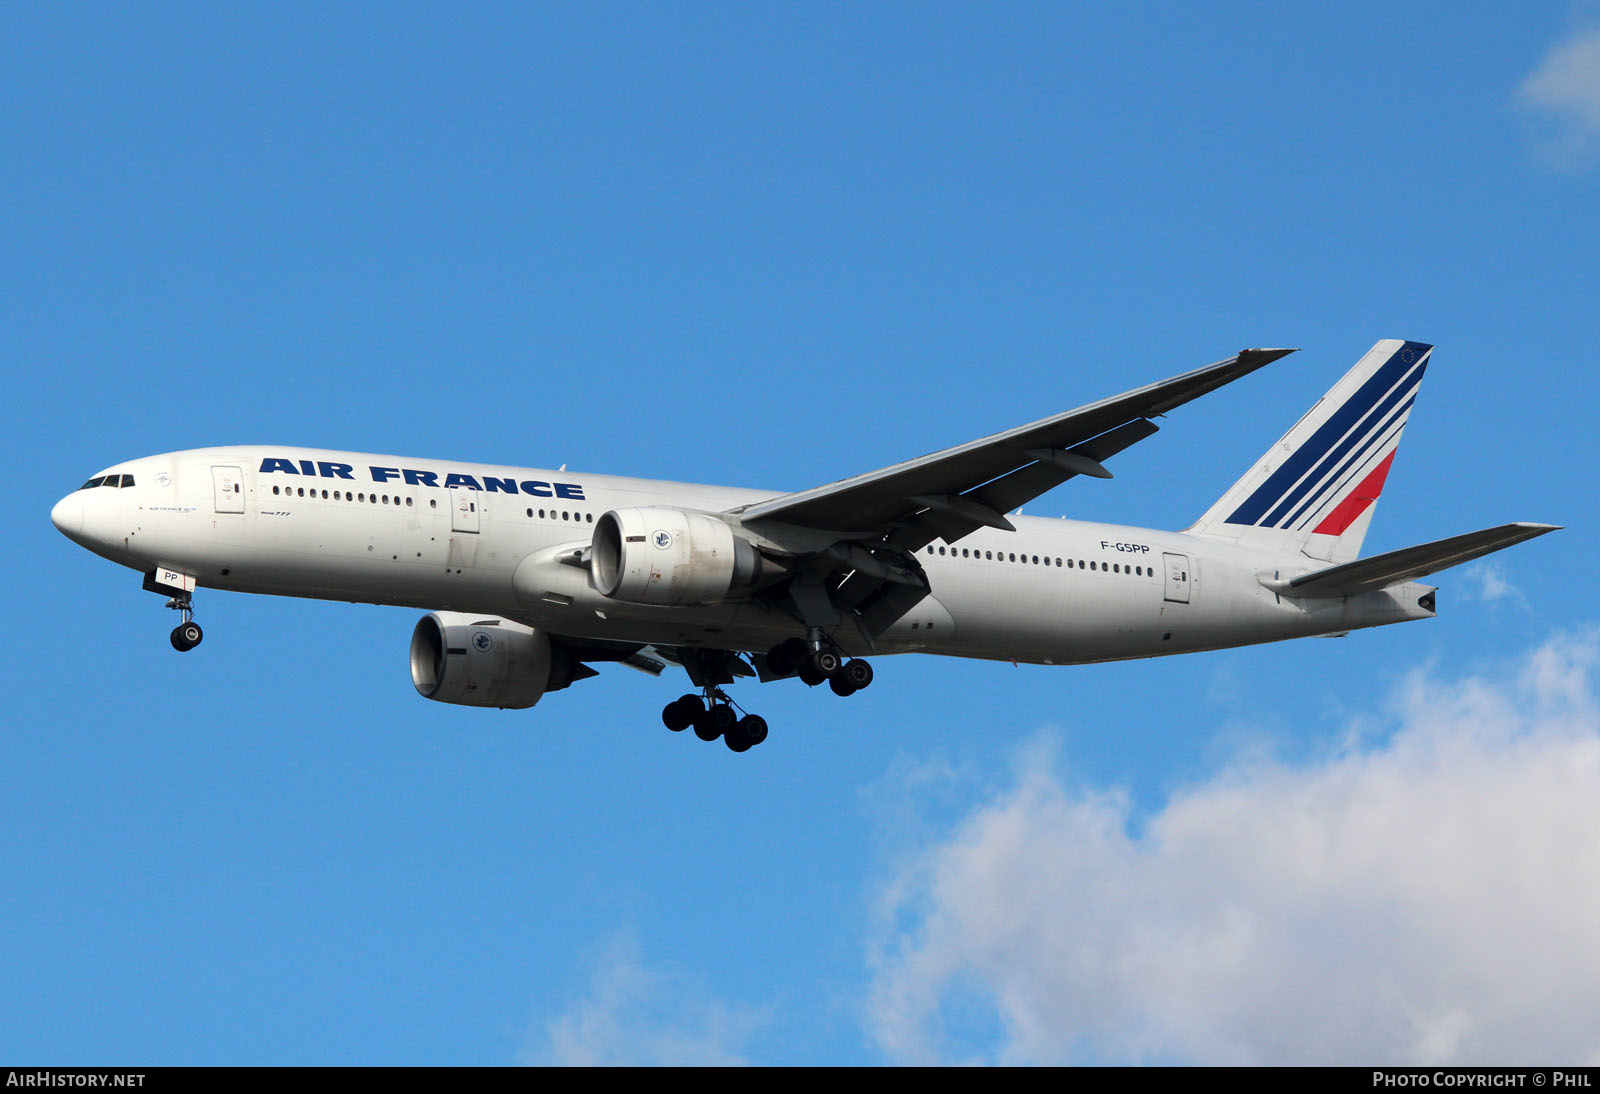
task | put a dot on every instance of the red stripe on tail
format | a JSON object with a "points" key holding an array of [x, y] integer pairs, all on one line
{"points": [[1356, 502]]}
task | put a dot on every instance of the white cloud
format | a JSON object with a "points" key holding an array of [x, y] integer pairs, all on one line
{"points": [[637, 1015], [1431, 898], [1491, 584], [1566, 86]]}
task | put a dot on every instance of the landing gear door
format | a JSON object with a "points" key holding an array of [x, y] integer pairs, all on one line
{"points": [[1177, 578], [463, 509], [227, 484]]}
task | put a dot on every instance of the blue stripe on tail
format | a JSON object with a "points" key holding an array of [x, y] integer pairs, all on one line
{"points": [[1271, 495]]}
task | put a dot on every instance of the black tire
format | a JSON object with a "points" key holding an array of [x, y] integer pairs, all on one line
{"points": [[753, 728], [810, 676], [858, 673], [679, 714], [826, 662], [723, 717], [840, 685], [704, 729], [186, 636], [750, 731]]}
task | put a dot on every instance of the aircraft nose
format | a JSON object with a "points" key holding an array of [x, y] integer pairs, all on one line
{"points": [[68, 515]]}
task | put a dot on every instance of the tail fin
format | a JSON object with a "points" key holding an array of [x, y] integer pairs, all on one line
{"points": [[1315, 490]]}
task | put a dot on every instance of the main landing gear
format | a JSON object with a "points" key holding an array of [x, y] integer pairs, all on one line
{"points": [[713, 716], [816, 661]]}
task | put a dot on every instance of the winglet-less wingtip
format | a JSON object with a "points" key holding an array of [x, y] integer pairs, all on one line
{"points": [[1264, 356]]}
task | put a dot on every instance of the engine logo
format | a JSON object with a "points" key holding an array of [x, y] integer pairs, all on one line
{"points": [[163, 479], [662, 539], [481, 641]]}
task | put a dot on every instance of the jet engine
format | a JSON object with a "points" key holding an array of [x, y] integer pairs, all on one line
{"points": [[667, 556], [481, 662]]}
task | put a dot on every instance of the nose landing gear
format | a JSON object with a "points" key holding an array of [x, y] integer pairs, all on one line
{"points": [[180, 587], [186, 635]]}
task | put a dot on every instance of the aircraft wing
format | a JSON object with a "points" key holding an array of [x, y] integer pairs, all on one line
{"points": [[951, 493]]}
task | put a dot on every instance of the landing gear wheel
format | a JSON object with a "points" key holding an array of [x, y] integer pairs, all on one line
{"points": [[715, 722], [186, 636], [840, 685], [754, 728], [825, 661], [750, 731], [704, 729], [680, 714], [810, 676], [857, 673]]}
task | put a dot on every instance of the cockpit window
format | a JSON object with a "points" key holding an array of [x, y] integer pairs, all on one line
{"points": [[117, 481]]}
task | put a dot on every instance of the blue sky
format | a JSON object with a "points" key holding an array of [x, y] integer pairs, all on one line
{"points": [[772, 246]]}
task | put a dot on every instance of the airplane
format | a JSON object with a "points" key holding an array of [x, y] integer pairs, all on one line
{"points": [[530, 577]]}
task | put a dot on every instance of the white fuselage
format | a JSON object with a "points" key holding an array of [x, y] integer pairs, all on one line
{"points": [[440, 535]]}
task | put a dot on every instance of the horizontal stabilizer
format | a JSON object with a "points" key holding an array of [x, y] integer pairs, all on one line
{"points": [[1380, 571]]}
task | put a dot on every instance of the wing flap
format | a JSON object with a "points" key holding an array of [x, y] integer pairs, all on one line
{"points": [[1380, 571]]}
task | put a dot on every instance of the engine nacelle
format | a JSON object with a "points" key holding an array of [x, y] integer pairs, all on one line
{"points": [[670, 556], [479, 661]]}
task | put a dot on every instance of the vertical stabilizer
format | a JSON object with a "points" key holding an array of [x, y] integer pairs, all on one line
{"points": [[1315, 490]]}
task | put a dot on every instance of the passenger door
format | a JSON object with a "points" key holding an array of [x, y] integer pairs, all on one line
{"points": [[1177, 578], [227, 484]]}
